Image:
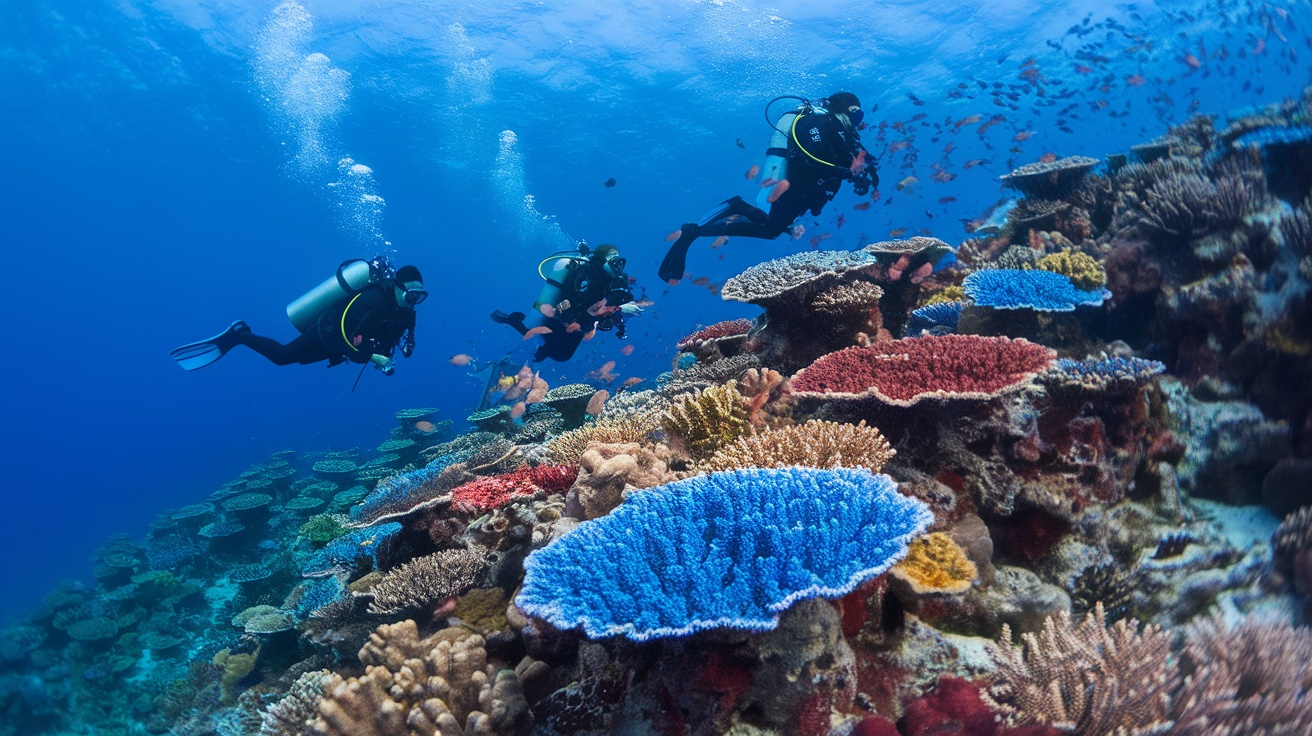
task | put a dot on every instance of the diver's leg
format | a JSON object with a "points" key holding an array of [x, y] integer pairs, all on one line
{"points": [[514, 319], [559, 346], [305, 349]]}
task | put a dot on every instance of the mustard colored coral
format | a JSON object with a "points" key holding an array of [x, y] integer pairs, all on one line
{"points": [[936, 564], [568, 447], [815, 444], [946, 294], [1084, 271], [709, 419]]}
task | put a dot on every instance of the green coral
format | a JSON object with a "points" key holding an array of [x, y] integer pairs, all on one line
{"points": [[321, 529], [483, 610], [235, 667], [1084, 271], [708, 420], [946, 294]]}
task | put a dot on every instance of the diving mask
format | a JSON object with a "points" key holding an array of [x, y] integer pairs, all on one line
{"points": [[415, 297]]}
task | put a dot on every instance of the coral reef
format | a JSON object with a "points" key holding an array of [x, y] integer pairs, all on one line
{"points": [[708, 419], [814, 444], [429, 579]]}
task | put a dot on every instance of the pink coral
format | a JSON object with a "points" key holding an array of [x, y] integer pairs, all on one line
{"points": [[903, 372], [495, 491], [731, 328]]}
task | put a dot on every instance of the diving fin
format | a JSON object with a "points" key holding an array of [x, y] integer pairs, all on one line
{"points": [[676, 259], [200, 354]]}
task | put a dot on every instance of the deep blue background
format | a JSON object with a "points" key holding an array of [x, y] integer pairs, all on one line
{"points": [[147, 199]]}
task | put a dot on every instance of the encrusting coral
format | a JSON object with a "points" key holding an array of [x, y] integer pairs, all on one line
{"points": [[708, 419], [1084, 271], [935, 564], [815, 444], [442, 685]]}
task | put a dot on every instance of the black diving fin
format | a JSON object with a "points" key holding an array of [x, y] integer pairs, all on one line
{"points": [[200, 354]]}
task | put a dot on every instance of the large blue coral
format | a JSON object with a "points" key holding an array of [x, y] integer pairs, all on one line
{"points": [[1041, 291], [727, 550]]}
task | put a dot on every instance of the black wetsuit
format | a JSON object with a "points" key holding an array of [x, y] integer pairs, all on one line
{"points": [[374, 324], [582, 290], [811, 186]]}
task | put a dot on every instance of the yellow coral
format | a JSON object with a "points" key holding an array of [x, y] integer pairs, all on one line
{"points": [[936, 564], [946, 294], [708, 419], [1085, 271], [816, 444], [235, 667], [482, 610], [568, 447]]}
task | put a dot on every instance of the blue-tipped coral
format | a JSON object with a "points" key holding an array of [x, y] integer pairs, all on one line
{"points": [[1041, 291], [346, 552], [938, 319], [1100, 375], [398, 495], [727, 550]]}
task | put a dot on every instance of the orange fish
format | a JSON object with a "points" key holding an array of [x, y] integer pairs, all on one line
{"points": [[1192, 61], [600, 309], [589, 335], [518, 410], [604, 372], [535, 331], [752, 172], [858, 163], [673, 236], [1134, 80], [719, 241], [778, 191], [769, 182], [1082, 69], [461, 359], [861, 206], [1024, 135], [798, 232], [597, 402], [425, 426], [910, 181], [897, 232], [971, 120], [573, 327], [627, 350], [1047, 157], [633, 381], [973, 163]]}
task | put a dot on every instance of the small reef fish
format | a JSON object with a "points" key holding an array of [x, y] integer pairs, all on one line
{"points": [[632, 381], [627, 350], [897, 232], [601, 309], [644, 303], [535, 331], [1135, 80], [604, 373], [798, 232], [673, 236], [504, 383], [597, 402], [840, 220], [997, 217], [1024, 135], [1192, 61], [720, 241], [461, 359], [910, 181], [609, 182], [573, 327], [778, 191], [946, 200], [815, 242], [859, 163], [859, 206], [752, 172], [1047, 158], [741, 145], [518, 410], [589, 335]]}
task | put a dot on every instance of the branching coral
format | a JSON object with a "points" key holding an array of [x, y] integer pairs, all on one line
{"points": [[1188, 205], [1088, 680], [708, 419], [907, 371], [1253, 679], [732, 549], [815, 444], [426, 580], [935, 564], [439, 685], [291, 716], [570, 446], [1084, 271], [700, 375]]}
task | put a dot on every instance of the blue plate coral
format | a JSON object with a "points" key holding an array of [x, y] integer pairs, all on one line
{"points": [[1041, 291]]}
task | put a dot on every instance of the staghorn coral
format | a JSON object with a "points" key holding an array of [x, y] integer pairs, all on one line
{"points": [[815, 444], [570, 446], [732, 549], [443, 685], [1253, 678], [708, 419], [907, 371], [935, 565], [606, 471], [1087, 680], [1083, 270], [430, 579], [291, 715]]}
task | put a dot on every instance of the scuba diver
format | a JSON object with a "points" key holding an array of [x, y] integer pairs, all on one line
{"points": [[360, 314], [815, 148], [585, 291]]}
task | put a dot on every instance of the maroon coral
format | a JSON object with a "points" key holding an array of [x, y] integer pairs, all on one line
{"points": [[730, 328], [496, 491], [904, 372], [954, 708]]}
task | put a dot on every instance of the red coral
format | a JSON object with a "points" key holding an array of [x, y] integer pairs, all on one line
{"points": [[495, 491], [954, 708], [731, 328], [903, 372], [874, 726]]}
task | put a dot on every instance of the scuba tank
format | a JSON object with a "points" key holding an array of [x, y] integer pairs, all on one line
{"points": [[556, 277], [807, 134], [776, 160], [351, 278]]}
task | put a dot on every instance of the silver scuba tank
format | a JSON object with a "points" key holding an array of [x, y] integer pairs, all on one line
{"points": [[775, 168], [351, 277]]}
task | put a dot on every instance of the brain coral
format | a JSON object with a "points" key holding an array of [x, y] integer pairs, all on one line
{"points": [[732, 549], [774, 279], [904, 372]]}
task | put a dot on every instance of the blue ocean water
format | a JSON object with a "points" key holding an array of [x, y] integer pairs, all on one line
{"points": [[173, 166]]}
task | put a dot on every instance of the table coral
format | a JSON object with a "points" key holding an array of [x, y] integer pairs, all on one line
{"points": [[1041, 291], [907, 371], [731, 549], [718, 331], [784, 277], [1050, 179], [815, 444], [494, 491]]}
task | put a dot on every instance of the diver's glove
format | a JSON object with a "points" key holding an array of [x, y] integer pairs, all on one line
{"points": [[630, 309], [863, 181], [384, 364]]}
